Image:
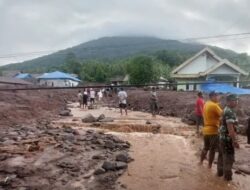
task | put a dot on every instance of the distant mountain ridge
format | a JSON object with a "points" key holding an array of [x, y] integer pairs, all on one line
{"points": [[114, 48]]}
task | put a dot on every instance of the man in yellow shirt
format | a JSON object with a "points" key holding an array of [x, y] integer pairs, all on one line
{"points": [[211, 114]]}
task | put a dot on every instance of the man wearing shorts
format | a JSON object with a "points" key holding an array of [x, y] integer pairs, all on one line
{"points": [[211, 114], [122, 95]]}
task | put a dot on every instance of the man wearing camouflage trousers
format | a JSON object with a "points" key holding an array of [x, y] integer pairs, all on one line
{"points": [[228, 140]]}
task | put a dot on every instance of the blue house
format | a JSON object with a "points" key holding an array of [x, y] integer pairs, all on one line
{"points": [[58, 79], [23, 76]]}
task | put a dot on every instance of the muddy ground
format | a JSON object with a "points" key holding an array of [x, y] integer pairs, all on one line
{"points": [[177, 104], [39, 149]]}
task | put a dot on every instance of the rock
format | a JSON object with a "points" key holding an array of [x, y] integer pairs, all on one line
{"points": [[122, 157], [241, 129], [33, 147], [244, 169], [121, 165], [102, 116], [108, 165], [89, 119], [99, 171], [148, 122], [107, 119], [109, 144], [65, 113], [98, 157]]}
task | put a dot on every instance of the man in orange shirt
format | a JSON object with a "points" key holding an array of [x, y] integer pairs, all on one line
{"points": [[211, 115]]}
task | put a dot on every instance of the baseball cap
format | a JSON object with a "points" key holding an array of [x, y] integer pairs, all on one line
{"points": [[213, 93], [231, 97]]}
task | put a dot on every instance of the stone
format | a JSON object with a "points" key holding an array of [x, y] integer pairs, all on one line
{"points": [[148, 122], [65, 113], [98, 157], [107, 119], [109, 144], [109, 166], [121, 165], [102, 116], [99, 171], [122, 157], [89, 119]]}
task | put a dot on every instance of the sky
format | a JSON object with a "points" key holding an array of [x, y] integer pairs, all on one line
{"points": [[48, 25]]}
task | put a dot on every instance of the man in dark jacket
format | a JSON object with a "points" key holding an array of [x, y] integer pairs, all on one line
{"points": [[228, 139]]}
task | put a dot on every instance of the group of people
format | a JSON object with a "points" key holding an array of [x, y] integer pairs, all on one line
{"points": [[88, 97], [219, 131]]}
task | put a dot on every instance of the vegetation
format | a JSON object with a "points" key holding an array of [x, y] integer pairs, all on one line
{"points": [[99, 60]]}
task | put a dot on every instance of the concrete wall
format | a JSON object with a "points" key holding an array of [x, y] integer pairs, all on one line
{"points": [[58, 83]]}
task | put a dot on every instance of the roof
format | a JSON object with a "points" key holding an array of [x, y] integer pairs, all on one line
{"points": [[23, 76], [208, 50], [210, 70], [58, 75], [117, 79], [228, 63], [9, 80]]}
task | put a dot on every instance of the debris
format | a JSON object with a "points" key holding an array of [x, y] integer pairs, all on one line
{"points": [[99, 171], [122, 157], [89, 119], [108, 165], [65, 113], [101, 117]]}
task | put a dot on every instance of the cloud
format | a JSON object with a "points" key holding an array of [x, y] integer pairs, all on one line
{"points": [[35, 25]]}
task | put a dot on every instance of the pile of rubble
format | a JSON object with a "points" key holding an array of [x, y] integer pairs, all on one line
{"points": [[42, 156]]}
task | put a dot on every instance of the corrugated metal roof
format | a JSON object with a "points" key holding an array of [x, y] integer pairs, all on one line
{"points": [[57, 75], [23, 76]]}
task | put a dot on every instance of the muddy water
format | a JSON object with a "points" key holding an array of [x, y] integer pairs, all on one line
{"points": [[163, 161], [167, 162]]}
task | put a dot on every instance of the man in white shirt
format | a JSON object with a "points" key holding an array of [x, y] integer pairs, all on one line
{"points": [[92, 96], [122, 95]]}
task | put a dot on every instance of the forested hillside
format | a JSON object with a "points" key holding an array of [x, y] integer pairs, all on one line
{"points": [[106, 57]]}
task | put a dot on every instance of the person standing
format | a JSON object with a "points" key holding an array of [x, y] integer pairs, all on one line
{"points": [[92, 96], [211, 114], [79, 96], [85, 99], [100, 95], [228, 139], [153, 102], [122, 95], [199, 105]]}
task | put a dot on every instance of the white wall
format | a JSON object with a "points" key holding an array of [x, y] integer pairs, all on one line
{"points": [[58, 83], [200, 64], [224, 69]]}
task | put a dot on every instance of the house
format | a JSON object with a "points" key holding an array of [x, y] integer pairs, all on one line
{"points": [[24, 76], [58, 79], [118, 80], [13, 82], [205, 66]]}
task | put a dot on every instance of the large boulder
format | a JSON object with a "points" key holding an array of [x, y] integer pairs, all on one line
{"points": [[65, 113], [89, 119]]}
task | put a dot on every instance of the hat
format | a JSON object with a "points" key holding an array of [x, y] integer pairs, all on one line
{"points": [[232, 97], [213, 93]]}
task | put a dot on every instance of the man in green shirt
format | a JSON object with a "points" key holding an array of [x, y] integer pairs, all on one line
{"points": [[228, 140]]}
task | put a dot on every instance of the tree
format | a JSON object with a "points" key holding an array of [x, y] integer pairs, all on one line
{"points": [[141, 70], [72, 65]]}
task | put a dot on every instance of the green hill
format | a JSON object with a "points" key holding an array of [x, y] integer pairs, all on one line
{"points": [[115, 48]]}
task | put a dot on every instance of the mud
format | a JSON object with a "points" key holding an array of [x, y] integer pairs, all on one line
{"points": [[43, 157]]}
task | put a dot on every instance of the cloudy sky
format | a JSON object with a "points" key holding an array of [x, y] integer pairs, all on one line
{"points": [[45, 25]]}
